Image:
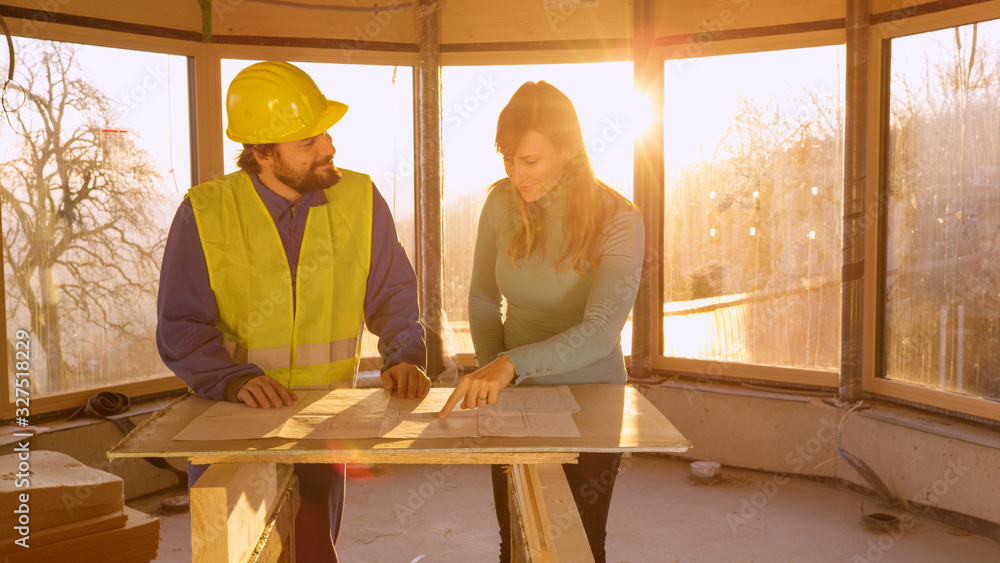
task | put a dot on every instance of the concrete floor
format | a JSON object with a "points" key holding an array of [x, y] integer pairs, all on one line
{"points": [[410, 514]]}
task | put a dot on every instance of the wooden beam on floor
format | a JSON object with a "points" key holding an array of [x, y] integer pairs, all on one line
{"points": [[277, 544], [545, 523], [568, 536], [231, 505]]}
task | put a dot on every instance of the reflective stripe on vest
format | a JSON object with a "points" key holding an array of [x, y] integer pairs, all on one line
{"points": [[318, 342], [306, 354]]}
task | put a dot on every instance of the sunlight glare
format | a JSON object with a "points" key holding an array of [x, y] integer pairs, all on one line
{"points": [[638, 112]]}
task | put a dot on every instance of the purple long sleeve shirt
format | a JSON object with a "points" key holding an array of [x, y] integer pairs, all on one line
{"points": [[192, 347]]}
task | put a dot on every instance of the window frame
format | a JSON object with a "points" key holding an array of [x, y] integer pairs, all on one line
{"points": [[511, 54], [467, 360], [703, 368], [41, 407], [208, 158], [205, 71], [209, 97], [876, 249]]}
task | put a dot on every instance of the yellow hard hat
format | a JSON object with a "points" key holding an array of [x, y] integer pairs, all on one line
{"points": [[277, 102]]}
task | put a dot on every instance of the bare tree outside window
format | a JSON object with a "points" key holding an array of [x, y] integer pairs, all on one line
{"points": [[81, 245]]}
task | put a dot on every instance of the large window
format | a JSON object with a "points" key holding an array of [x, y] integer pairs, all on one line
{"points": [[611, 116], [942, 306], [92, 166], [374, 137], [753, 156]]}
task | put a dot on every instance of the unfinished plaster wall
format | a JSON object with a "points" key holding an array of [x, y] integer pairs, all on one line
{"points": [[945, 464]]}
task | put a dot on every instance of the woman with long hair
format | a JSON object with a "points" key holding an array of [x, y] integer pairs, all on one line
{"points": [[564, 250]]}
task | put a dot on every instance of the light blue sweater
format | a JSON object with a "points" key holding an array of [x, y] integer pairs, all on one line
{"points": [[560, 328]]}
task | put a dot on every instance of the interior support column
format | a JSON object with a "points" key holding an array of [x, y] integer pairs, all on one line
{"points": [[855, 184], [648, 193], [430, 219]]}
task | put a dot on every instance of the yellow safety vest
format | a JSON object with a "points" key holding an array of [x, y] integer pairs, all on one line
{"points": [[317, 343]]}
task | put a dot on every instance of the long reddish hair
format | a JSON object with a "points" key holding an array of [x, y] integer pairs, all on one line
{"points": [[541, 107]]}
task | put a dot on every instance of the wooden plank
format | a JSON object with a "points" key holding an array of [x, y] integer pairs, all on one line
{"points": [[134, 546], [46, 519], [536, 521], [400, 457], [528, 541], [59, 482], [140, 535], [354, 29], [614, 418], [66, 532], [568, 537], [912, 8], [277, 544], [520, 518], [545, 523], [184, 16], [488, 21], [230, 507], [820, 378], [707, 18]]}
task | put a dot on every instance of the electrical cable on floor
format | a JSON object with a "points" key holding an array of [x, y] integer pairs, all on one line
{"points": [[875, 522], [862, 468]]}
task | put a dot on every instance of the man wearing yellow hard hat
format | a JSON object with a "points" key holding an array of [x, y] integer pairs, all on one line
{"points": [[270, 273]]}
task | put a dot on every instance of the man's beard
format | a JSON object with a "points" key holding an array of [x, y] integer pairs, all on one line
{"points": [[312, 180]]}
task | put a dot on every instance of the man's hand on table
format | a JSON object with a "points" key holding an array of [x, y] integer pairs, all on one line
{"points": [[265, 392], [408, 380]]}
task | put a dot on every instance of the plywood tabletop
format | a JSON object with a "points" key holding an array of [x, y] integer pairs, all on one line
{"points": [[613, 418]]}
